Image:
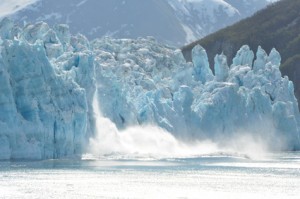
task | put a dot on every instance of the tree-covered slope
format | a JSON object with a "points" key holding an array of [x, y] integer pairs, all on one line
{"points": [[276, 26]]}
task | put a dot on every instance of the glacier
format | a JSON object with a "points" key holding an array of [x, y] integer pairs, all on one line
{"points": [[50, 78]]}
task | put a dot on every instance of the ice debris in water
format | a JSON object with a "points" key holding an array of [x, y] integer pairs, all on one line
{"points": [[48, 80]]}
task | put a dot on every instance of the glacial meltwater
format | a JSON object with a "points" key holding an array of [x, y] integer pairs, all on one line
{"points": [[207, 176]]}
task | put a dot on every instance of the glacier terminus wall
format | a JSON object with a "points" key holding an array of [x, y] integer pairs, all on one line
{"points": [[49, 78]]}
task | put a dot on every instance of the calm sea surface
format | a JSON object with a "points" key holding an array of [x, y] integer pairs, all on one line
{"points": [[213, 176]]}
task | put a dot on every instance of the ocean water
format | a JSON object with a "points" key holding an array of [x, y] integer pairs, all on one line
{"points": [[207, 176]]}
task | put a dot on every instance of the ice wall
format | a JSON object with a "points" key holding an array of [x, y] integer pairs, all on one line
{"points": [[49, 77], [45, 84], [142, 82]]}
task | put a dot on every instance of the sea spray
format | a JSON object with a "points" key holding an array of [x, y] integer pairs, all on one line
{"points": [[139, 141], [152, 142]]}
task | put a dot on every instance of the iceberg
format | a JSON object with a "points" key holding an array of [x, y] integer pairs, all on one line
{"points": [[49, 79]]}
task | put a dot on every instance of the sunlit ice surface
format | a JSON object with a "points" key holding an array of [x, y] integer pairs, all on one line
{"points": [[208, 176]]}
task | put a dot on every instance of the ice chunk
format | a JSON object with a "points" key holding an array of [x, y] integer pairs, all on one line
{"points": [[244, 57], [275, 57], [202, 71], [221, 68], [261, 59], [6, 27]]}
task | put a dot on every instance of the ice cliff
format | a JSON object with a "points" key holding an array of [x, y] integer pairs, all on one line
{"points": [[49, 78]]}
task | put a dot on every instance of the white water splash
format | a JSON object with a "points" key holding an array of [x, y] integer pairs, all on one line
{"points": [[151, 142]]}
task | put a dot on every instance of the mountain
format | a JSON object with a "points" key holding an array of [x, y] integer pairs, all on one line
{"points": [[116, 18], [8, 7], [175, 22], [200, 18], [56, 89], [276, 26]]}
